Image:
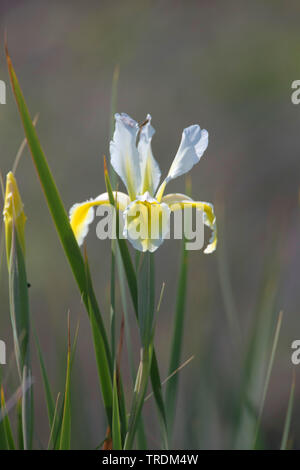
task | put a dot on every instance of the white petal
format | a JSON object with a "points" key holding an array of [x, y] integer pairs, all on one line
{"points": [[124, 154], [150, 172], [193, 144]]}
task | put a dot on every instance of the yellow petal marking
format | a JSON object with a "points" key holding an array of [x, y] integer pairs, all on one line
{"points": [[82, 214], [178, 201]]}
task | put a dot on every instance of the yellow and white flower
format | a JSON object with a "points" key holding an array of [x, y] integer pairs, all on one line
{"points": [[132, 159]]}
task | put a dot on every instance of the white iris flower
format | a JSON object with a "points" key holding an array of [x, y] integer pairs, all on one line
{"points": [[133, 161]]}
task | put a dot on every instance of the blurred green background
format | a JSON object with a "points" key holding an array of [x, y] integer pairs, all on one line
{"points": [[229, 67]]}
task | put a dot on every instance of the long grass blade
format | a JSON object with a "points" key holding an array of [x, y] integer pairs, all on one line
{"points": [[5, 424], [138, 396], [114, 253], [288, 418], [133, 289], [116, 424], [22, 148], [19, 312], [269, 371], [60, 217], [65, 435], [176, 346], [46, 383], [104, 371], [52, 430], [256, 360]]}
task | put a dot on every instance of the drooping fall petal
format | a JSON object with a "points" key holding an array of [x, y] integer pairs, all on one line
{"points": [[82, 214]]}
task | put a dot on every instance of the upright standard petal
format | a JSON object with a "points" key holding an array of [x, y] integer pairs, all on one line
{"points": [[82, 214], [124, 154], [194, 142], [177, 202], [150, 172]]}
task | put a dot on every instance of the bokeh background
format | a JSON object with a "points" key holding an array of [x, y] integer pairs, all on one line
{"points": [[229, 67]]}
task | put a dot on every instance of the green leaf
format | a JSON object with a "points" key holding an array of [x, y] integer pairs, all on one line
{"points": [[113, 301], [146, 298], [46, 383], [138, 395], [19, 312], [51, 193], [133, 289], [116, 425], [55, 204], [54, 429], [157, 392], [103, 367], [65, 435], [172, 385], [255, 363], [19, 309], [60, 217], [27, 408], [54, 417], [114, 258], [288, 418], [268, 376], [5, 426], [20, 425]]}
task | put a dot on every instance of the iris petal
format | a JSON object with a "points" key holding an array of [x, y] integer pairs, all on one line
{"points": [[194, 142], [146, 223], [177, 201], [150, 172], [124, 153], [82, 214]]}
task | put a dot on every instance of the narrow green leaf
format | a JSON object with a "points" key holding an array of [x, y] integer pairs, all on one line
{"points": [[288, 418], [269, 371], [116, 425], [19, 312], [157, 391], [20, 425], [18, 297], [59, 215], [57, 425], [172, 385], [114, 93], [103, 367], [22, 148], [53, 198], [55, 204], [113, 301], [46, 383], [54, 421], [146, 298], [133, 289], [27, 408], [146, 312], [255, 363], [138, 395], [5, 425], [65, 435]]}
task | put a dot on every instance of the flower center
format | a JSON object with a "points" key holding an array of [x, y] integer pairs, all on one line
{"points": [[146, 222]]}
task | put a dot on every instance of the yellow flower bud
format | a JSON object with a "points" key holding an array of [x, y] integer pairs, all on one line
{"points": [[13, 214]]}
